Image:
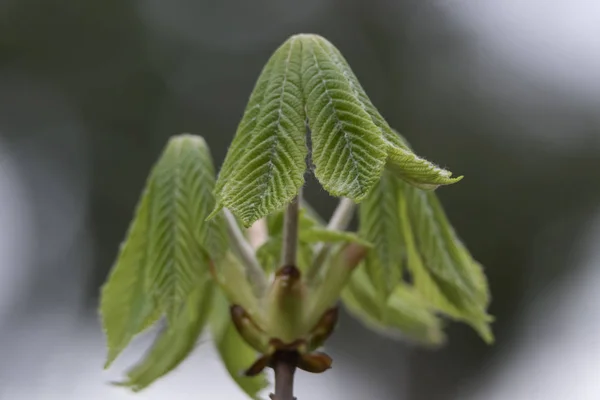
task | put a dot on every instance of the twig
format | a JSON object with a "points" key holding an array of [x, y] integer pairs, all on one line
{"points": [[339, 221], [284, 365], [284, 362], [254, 271]]}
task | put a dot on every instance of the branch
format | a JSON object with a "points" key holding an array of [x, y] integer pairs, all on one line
{"points": [[284, 362], [339, 221], [254, 271], [284, 365]]}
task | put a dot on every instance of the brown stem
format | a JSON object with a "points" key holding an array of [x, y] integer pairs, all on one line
{"points": [[284, 365]]}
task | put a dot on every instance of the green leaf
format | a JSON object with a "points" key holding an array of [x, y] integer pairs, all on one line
{"points": [[348, 150], [400, 158], [235, 353], [404, 316], [180, 238], [411, 314], [176, 342], [443, 270], [163, 256], [416, 170], [379, 223], [125, 307], [271, 149]]}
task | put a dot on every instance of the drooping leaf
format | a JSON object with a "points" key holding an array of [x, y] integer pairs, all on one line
{"points": [[348, 150], [125, 307], [443, 271], [413, 316], [235, 353], [404, 316], [271, 149], [176, 341], [416, 170], [380, 225], [400, 158], [180, 238], [163, 256]]}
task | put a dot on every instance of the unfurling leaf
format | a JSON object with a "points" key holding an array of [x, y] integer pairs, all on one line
{"points": [[443, 270], [176, 342], [265, 166], [235, 353], [165, 254], [410, 232], [348, 149]]}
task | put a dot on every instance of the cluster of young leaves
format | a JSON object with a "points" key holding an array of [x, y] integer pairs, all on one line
{"points": [[162, 272], [177, 243], [307, 83], [417, 264]]}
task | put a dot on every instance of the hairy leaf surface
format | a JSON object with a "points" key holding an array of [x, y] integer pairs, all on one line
{"points": [[235, 353], [176, 342], [271, 149], [416, 170], [180, 239], [348, 149]]}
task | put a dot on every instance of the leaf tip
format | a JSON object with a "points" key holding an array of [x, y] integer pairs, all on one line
{"points": [[214, 212]]}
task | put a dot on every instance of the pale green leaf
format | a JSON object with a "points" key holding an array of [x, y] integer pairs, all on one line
{"points": [[443, 271], [125, 307], [235, 353], [348, 149], [407, 311], [176, 341], [271, 151], [179, 237], [379, 224], [404, 316]]}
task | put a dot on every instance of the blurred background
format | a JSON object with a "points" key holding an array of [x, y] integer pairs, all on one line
{"points": [[506, 92]]}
